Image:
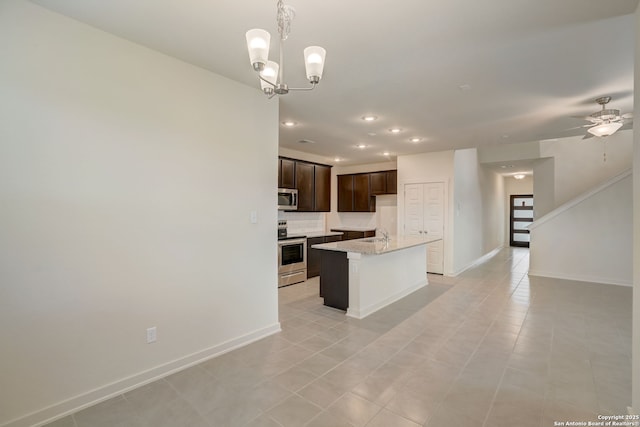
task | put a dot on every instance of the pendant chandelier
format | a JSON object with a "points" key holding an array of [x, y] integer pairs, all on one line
{"points": [[271, 73]]}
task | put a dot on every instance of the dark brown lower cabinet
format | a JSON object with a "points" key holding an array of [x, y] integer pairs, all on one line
{"points": [[334, 279], [352, 234], [314, 255]]}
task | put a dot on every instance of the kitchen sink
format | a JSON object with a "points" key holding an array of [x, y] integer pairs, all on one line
{"points": [[374, 240]]}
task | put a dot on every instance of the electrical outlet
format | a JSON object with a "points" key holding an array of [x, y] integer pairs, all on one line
{"points": [[152, 334]]}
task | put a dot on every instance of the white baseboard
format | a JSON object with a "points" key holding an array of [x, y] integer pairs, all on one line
{"points": [[479, 261], [364, 312], [100, 394], [579, 278]]}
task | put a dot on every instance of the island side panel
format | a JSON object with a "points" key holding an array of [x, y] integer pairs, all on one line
{"points": [[376, 281], [334, 279]]}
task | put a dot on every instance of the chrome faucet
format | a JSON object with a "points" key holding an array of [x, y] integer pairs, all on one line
{"points": [[384, 232]]}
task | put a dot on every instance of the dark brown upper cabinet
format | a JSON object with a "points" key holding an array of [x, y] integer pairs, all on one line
{"points": [[312, 180], [345, 193], [286, 173], [378, 182], [392, 182], [384, 182], [322, 188], [305, 186], [362, 197], [354, 193]]}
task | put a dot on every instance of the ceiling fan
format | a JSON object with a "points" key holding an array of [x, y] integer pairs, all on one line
{"points": [[607, 121]]}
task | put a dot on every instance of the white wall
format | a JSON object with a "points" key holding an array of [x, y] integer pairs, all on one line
{"points": [[543, 187], [636, 236], [430, 167], [493, 205], [579, 164], [596, 245], [478, 220], [117, 214], [513, 187]]}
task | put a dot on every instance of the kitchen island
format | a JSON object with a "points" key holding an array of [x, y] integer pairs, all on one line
{"points": [[364, 275]]}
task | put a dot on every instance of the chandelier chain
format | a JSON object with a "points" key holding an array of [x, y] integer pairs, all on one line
{"points": [[284, 17]]}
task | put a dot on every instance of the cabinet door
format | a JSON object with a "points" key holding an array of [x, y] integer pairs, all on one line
{"points": [[304, 184], [361, 197], [345, 193], [392, 182], [313, 257], [378, 183], [322, 202], [287, 175], [351, 235]]}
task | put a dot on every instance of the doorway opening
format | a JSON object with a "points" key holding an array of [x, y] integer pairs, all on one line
{"points": [[521, 215]]}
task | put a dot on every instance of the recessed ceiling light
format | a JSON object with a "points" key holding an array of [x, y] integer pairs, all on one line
{"points": [[519, 176], [369, 118], [337, 159], [289, 123], [386, 153], [464, 87], [506, 166], [395, 130], [372, 134], [361, 146], [415, 139]]}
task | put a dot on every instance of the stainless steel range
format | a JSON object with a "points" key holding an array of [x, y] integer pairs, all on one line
{"points": [[292, 261]]}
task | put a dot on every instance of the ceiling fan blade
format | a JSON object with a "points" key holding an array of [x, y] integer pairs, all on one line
{"points": [[587, 136]]}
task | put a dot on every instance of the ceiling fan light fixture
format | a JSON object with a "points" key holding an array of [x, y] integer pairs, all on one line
{"points": [[604, 129]]}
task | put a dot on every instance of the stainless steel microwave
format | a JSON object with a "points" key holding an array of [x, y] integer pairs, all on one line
{"points": [[287, 199]]}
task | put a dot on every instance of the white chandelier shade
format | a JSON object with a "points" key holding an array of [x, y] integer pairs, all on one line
{"points": [[271, 74], [314, 62], [258, 44]]}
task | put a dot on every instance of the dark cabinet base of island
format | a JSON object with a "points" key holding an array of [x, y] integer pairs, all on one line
{"points": [[334, 279]]}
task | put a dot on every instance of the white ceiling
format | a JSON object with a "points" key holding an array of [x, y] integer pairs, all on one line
{"points": [[530, 65]]}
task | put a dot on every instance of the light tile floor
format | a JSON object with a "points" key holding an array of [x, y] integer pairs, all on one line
{"points": [[492, 347]]}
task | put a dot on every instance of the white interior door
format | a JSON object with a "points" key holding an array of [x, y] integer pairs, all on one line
{"points": [[413, 209], [424, 212], [434, 225]]}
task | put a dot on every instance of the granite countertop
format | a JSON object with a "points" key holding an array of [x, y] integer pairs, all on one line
{"points": [[325, 233], [376, 246], [316, 234], [354, 228]]}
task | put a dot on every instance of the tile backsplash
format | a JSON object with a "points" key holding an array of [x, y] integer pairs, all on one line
{"points": [[303, 222]]}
